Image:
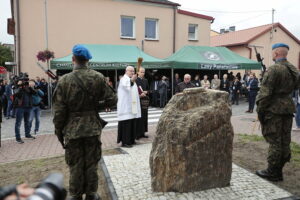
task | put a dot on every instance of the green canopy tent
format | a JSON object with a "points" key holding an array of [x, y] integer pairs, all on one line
{"points": [[111, 57], [209, 58]]}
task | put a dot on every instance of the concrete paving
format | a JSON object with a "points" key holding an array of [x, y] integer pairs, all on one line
{"points": [[130, 176]]}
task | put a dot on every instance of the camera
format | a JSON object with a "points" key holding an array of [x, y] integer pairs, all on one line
{"points": [[22, 77], [37, 87], [51, 188]]}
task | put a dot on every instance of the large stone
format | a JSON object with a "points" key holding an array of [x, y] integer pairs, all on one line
{"points": [[192, 149]]}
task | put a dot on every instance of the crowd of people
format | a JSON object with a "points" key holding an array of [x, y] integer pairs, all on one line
{"points": [[78, 125], [160, 90], [23, 98]]}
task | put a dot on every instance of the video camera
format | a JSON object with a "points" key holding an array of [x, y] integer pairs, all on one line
{"points": [[24, 77]]}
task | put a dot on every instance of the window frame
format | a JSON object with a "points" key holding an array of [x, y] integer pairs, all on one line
{"points": [[156, 29], [196, 32], [133, 27]]}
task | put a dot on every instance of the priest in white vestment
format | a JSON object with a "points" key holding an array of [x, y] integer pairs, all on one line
{"points": [[129, 108]]}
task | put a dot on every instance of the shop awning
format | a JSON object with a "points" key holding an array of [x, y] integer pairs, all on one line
{"points": [[210, 58], [110, 57]]}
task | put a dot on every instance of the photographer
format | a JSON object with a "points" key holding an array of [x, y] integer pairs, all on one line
{"points": [[51, 188], [36, 110], [13, 192], [23, 104]]}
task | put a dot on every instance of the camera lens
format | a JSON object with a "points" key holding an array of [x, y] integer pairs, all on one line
{"points": [[50, 189]]}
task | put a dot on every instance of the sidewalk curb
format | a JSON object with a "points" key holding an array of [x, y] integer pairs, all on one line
{"points": [[108, 180]]}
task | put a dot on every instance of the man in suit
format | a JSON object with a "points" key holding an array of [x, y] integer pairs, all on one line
{"points": [[253, 89], [224, 85], [163, 91], [154, 91], [177, 80]]}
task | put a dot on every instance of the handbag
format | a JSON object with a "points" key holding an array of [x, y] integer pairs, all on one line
{"points": [[145, 102]]}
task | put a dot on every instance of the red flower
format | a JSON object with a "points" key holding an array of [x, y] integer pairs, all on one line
{"points": [[45, 55]]}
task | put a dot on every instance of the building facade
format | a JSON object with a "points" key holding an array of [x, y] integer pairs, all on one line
{"points": [[158, 27], [263, 37]]}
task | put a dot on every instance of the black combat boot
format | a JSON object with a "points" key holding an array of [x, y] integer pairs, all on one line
{"points": [[93, 197], [271, 174]]}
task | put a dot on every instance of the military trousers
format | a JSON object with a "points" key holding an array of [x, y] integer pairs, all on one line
{"points": [[82, 156], [276, 130]]}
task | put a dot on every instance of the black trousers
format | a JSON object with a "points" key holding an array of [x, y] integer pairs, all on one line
{"points": [[155, 96], [235, 98], [252, 97], [127, 131]]}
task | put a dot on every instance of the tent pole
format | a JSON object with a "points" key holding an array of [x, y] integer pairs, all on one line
{"points": [[172, 74], [116, 78]]}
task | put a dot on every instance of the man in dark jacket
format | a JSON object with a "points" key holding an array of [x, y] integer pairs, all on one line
{"points": [[236, 90], [253, 89], [185, 84], [23, 104]]}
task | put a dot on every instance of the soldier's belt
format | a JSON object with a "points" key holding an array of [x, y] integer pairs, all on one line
{"points": [[84, 113]]}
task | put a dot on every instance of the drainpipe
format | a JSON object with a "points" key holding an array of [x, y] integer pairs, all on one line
{"points": [[174, 29], [250, 51], [174, 45], [18, 35]]}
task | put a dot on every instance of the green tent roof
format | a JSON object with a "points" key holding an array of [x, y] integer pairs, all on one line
{"points": [[110, 57], [210, 58]]}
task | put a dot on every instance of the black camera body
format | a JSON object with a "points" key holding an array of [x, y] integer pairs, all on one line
{"points": [[24, 77]]}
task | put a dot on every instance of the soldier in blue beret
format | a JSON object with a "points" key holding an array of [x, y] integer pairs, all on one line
{"points": [[81, 51], [77, 122], [277, 45], [275, 110]]}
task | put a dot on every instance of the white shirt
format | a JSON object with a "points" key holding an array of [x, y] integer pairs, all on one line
{"points": [[128, 106]]}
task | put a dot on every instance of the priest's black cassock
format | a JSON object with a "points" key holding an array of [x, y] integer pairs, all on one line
{"points": [[142, 123]]}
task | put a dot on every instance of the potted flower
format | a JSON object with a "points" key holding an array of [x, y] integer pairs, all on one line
{"points": [[45, 55]]}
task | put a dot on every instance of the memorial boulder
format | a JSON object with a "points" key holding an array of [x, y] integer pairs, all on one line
{"points": [[192, 149]]}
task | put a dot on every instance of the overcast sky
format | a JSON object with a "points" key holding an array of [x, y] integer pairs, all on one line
{"points": [[242, 14], [246, 14]]}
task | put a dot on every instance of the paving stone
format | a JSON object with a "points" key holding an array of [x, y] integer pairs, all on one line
{"points": [[136, 184]]}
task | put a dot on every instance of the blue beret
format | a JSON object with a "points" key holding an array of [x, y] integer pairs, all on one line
{"points": [[280, 45], [80, 50]]}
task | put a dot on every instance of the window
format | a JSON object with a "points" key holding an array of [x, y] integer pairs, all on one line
{"points": [[193, 32], [151, 29], [127, 27]]}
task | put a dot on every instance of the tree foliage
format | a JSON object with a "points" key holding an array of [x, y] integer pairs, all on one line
{"points": [[5, 55]]}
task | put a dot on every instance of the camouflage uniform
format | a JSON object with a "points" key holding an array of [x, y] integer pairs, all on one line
{"points": [[75, 119], [275, 110]]}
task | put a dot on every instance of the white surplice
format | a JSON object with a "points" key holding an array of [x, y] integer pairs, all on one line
{"points": [[128, 106]]}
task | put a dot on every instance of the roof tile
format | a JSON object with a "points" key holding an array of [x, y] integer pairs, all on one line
{"points": [[239, 37], [247, 35]]}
